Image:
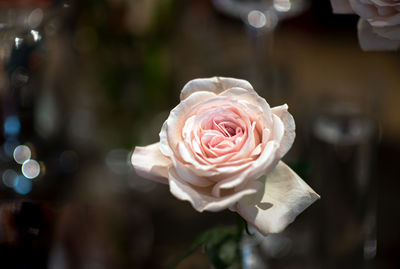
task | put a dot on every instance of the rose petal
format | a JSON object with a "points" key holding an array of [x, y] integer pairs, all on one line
{"points": [[341, 7], [363, 10], [386, 11], [171, 132], [278, 130], [202, 201], [389, 32], [150, 163], [386, 3], [289, 127], [370, 41], [184, 171], [383, 22], [164, 146], [252, 98], [214, 84], [262, 165], [285, 195]]}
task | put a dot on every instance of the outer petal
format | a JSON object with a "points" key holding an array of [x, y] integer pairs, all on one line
{"points": [[369, 40], [289, 126], [265, 163], [252, 98], [389, 32], [383, 3], [387, 3], [341, 7], [285, 195], [171, 132], [363, 10], [214, 84], [150, 163], [200, 198], [393, 20]]}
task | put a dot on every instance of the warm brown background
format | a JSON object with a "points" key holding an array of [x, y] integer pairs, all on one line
{"points": [[113, 70]]}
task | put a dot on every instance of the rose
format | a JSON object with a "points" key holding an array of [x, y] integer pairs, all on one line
{"points": [[379, 24], [221, 148]]}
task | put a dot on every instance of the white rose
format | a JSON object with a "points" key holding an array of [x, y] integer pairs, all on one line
{"points": [[379, 24], [221, 148]]}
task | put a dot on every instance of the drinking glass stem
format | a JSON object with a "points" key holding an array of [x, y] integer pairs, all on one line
{"points": [[262, 68]]}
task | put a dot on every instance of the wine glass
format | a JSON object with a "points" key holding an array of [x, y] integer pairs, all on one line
{"points": [[261, 17]]}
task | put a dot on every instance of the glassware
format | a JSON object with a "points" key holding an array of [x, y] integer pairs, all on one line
{"points": [[344, 145], [261, 17], [31, 150]]}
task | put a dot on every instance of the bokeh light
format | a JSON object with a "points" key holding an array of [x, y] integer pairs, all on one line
{"points": [[12, 125], [21, 154], [31, 169], [22, 185], [35, 18], [36, 35], [282, 5], [18, 42], [9, 176], [256, 19], [118, 161]]}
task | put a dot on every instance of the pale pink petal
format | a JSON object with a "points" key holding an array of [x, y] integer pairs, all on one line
{"points": [[150, 163], [278, 129], [232, 168], [363, 10], [215, 146], [262, 165], [390, 3], [252, 99], [214, 155], [256, 151], [266, 135], [289, 127], [379, 22], [187, 156], [214, 84], [249, 144], [200, 199], [285, 195], [185, 172], [371, 41], [164, 145], [389, 32], [190, 169], [341, 7], [171, 133], [386, 11]]}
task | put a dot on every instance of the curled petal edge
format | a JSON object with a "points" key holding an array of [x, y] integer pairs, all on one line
{"points": [[213, 84], [289, 127], [202, 201], [284, 196], [371, 41], [150, 163]]}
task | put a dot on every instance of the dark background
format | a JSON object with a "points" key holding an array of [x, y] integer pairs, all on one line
{"points": [[102, 79]]}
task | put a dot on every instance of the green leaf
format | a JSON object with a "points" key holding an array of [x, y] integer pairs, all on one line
{"points": [[221, 245], [228, 251]]}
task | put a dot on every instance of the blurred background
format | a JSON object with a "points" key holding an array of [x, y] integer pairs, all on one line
{"points": [[83, 82]]}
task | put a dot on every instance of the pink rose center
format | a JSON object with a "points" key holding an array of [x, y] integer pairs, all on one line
{"points": [[222, 132]]}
